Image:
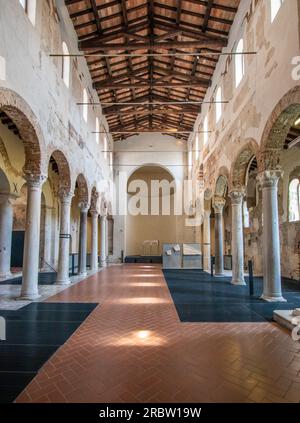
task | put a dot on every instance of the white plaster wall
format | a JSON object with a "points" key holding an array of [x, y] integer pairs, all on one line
{"points": [[36, 77]]}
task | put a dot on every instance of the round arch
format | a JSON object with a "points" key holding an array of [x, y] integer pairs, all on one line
{"points": [[63, 169], [151, 165], [83, 191], [23, 117], [277, 127], [241, 163]]}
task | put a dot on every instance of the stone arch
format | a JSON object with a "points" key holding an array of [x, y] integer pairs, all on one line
{"points": [[4, 183], [221, 186], [151, 165], [63, 169], [95, 199], [23, 117], [276, 129], [83, 191], [241, 164]]}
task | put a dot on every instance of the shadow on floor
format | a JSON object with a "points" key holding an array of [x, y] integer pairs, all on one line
{"points": [[45, 278], [33, 334], [198, 297]]}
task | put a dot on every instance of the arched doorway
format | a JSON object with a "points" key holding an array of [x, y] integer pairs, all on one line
{"points": [[151, 220]]}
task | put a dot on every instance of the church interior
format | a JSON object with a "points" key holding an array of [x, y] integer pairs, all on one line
{"points": [[149, 201]]}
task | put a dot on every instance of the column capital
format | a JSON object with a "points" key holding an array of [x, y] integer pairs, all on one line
{"points": [[237, 195], [218, 204], [35, 181], [269, 178], [65, 195], [94, 212], [84, 207]]}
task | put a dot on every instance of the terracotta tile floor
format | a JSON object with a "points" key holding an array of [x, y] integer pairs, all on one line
{"points": [[133, 348]]}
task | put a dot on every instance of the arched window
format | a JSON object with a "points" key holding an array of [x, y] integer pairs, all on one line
{"points": [[97, 131], [239, 63], [105, 147], [197, 147], [275, 6], [30, 8], [205, 130], [66, 65], [218, 104], [85, 105], [294, 204]]}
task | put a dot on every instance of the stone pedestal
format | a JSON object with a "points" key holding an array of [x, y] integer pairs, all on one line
{"points": [[6, 225], [206, 241], [237, 243], [103, 256], [64, 238], [29, 290], [94, 250], [218, 206], [271, 243], [83, 238]]}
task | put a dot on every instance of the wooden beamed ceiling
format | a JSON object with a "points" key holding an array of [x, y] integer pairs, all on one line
{"points": [[138, 27]]}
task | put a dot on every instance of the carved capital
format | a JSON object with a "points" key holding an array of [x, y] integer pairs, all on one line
{"points": [[269, 178], [218, 204], [84, 207], [35, 181], [65, 195], [270, 159], [237, 196]]}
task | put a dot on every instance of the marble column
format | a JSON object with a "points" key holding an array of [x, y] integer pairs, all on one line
{"points": [[271, 242], [83, 238], [6, 226], [29, 290], [219, 254], [237, 241], [103, 257], [94, 250], [64, 238], [206, 241]]}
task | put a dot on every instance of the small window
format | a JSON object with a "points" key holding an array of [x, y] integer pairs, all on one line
{"points": [[294, 209], [66, 65], [275, 6], [197, 147], [218, 104], [105, 147], [205, 130], [239, 63], [30, 8], [97, 131], [85, 105]]}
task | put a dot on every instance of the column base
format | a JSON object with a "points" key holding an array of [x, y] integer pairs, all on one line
{"points": [[219, 275], [238, 282], [273, 299], [63, 282], [103, 264], [83, 273], [7, 275], [27, 297]]}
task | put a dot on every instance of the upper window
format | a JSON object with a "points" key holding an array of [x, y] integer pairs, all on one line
{"points": [[239, 63], [85, 105], [197, 147], [97, 131], [30, 7], [105, 146], [294, 203], [218, 104], [205, 130], [66, 64], [275, 6]]}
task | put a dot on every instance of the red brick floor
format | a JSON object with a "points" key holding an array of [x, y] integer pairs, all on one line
{"points": [[133, 348]]}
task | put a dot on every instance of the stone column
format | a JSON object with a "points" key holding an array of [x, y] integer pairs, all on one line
{"points": [[206, 241], [219, 254], [94, 250], [6, 225], [64, 238], [237, 242], [271, 243], [29, 290], [83, 238], [103, 257]]}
